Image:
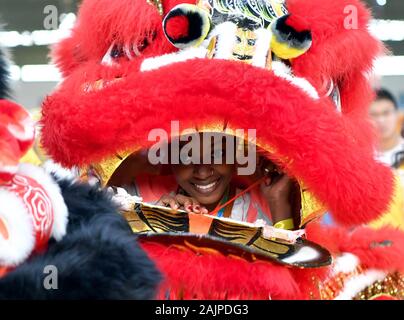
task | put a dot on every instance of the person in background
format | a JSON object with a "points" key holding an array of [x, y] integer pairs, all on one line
{"points": [[386, 117], [385, 114]]}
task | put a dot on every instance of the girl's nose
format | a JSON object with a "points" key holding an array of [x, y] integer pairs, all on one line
{"points": [[203, 171]]}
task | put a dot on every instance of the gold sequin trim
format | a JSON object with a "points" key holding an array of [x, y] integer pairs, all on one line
{"points": [[392, 285]]}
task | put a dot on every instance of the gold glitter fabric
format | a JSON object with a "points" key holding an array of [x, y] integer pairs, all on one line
{"points": [[390, 287]]}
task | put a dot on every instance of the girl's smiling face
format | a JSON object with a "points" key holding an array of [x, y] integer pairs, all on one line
{"points": [[206, 182]]}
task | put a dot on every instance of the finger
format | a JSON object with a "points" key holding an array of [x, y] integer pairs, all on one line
{"points": [[191, 204], [169, 201], [195, 205], [200, 209], [186, 202], [163, 200], [173, 204]]}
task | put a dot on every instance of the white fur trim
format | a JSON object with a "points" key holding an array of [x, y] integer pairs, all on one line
{"points": [[59, 171], [226, 33], [283, 71], [54, 193], [346, 263], [262, 47], [167, 59], [8, 169], [123, 199], [359, 283], [21, 241]]}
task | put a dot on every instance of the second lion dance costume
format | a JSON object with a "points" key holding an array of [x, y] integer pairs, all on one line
{"points": [[294, 72], [53, 223]]}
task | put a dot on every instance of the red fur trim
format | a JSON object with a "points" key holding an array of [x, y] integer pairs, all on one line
{"points": [[67, 55], [317, 139], [381, 249], [329, 237], [353, 49], [298, 23], [308, 281], [216, 277], [102, 22]]}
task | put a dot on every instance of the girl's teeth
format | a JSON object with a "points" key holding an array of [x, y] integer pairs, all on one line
{"points": [[207, 186]]}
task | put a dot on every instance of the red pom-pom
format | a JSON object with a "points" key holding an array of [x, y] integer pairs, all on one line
{"points": [[177, 27]]}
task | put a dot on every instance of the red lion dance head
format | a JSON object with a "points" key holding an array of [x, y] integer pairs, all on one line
{"points": [[32, 211], [295, 72]]}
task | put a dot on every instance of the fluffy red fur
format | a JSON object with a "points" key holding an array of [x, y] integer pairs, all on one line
{"points": [[341, 50], [102, 22], [219, 277], [298, 23], [261, 280], [380, 249]]}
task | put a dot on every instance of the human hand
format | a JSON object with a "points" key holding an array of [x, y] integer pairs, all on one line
{"points": [[179, 201], [277, 189]]}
